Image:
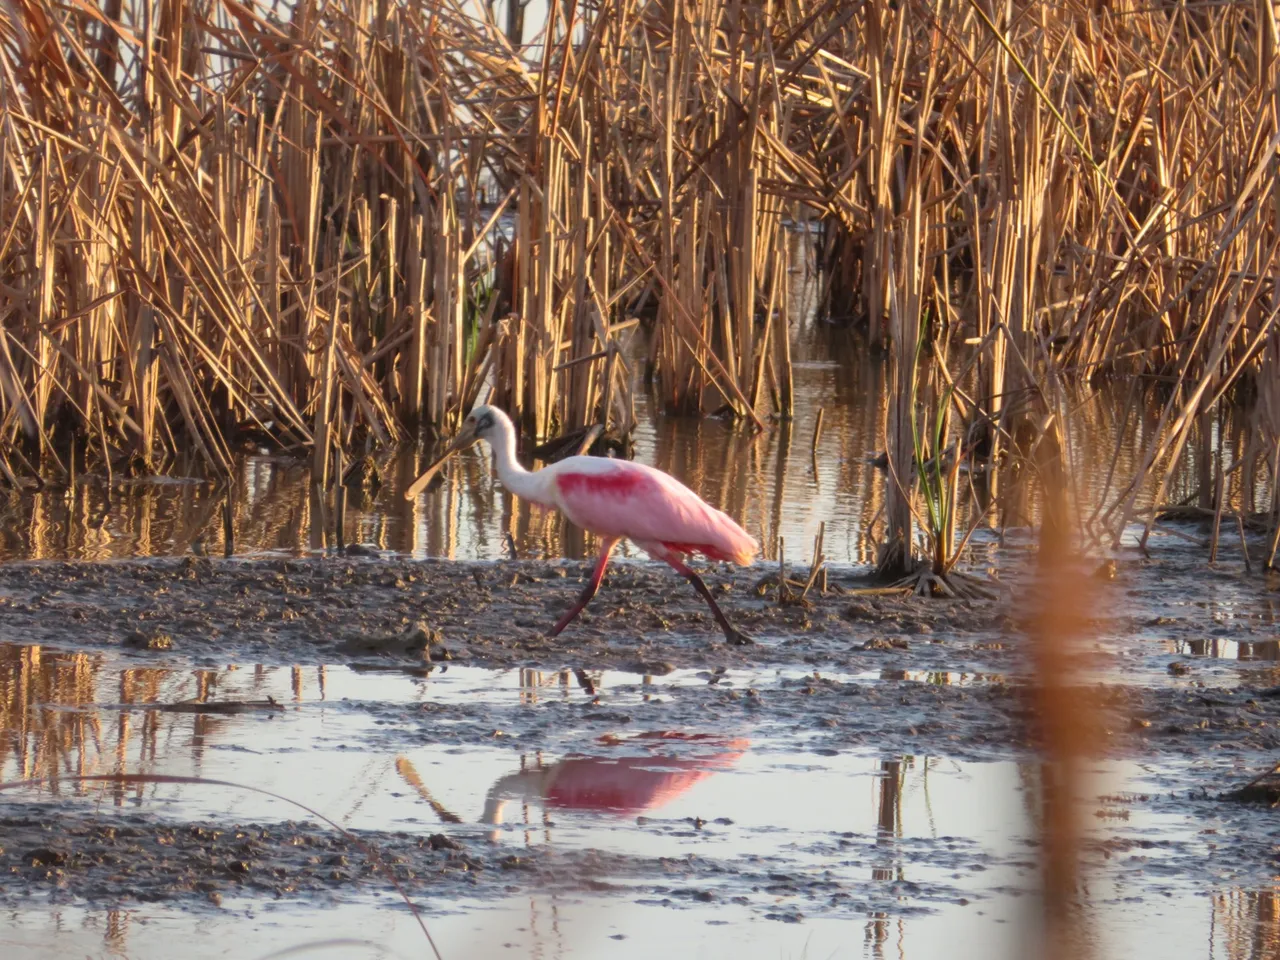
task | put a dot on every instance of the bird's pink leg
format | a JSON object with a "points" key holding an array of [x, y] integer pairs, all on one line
{"points": [[732, 634], [596, 576]]}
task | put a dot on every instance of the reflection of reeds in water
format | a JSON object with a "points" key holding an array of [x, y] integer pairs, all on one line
{"points": [[888, 830], [49, 724], [63, 714], [767, 481], [37, 739], [536, 684], [1246, 924]]}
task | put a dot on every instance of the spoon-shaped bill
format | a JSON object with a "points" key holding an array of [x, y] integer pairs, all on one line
{"points": [[466, 436]]}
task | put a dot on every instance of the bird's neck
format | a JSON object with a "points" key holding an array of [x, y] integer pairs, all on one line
{"points": [[511, 474]]}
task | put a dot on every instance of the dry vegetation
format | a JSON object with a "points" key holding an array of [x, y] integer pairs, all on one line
{"points": [[333, 222]]}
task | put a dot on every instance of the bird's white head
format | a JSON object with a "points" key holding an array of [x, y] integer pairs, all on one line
{"points": [[483, 423]]}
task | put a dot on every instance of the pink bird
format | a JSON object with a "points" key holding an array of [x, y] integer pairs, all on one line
{"points": [[617, 499]]}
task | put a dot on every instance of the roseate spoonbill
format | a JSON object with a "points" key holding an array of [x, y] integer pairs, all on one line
{"points": [[614, 499]]}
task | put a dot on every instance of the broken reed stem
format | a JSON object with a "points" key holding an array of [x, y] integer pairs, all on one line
{"points": [[340, 503], [228, 526], [589, 440], [813, 448], [1219, 490], [818, 565], [784, 591]]}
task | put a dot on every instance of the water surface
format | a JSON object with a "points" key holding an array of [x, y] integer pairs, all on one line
{"points": [[862, 854]]}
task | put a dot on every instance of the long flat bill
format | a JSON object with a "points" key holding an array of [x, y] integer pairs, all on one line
{"points": [[420, 484]]}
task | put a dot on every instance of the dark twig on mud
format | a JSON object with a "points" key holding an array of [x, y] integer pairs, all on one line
{"points": [[1263, 788], [128, 779], [228, 526], [224, 707], [221, 707]]}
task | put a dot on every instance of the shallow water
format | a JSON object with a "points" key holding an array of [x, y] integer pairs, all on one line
{"points": [[803, 852], [777, 483]]}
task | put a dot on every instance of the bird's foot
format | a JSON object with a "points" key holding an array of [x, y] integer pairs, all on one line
{"points": [[736, 638]]}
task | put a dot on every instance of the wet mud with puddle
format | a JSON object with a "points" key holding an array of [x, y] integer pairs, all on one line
{"points": [[869, 760]]}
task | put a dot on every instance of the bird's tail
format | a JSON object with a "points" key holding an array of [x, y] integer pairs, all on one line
{"points": [[737, 545]]}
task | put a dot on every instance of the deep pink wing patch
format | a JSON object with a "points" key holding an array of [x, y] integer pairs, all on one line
{"points": [[620, 484], [644, 505]]}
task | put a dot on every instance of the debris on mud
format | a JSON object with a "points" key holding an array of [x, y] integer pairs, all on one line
{"points": [[1264, 789], [137, 640], [418, 642], [223, 707]]}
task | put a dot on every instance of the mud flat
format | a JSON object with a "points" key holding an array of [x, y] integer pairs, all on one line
{"points": [[867, 766], [493, 614]]}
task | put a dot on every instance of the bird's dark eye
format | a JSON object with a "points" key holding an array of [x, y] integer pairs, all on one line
{"points": [[484, 423]]}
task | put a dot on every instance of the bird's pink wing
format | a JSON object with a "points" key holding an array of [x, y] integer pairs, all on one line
{"points": [[618, 498]]}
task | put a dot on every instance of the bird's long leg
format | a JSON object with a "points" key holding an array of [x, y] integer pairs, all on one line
{"points": [[732, 634], [596, 576]]}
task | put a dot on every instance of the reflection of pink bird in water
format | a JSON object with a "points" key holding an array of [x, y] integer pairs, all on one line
{"points": [[617, 499], [617, 785]]}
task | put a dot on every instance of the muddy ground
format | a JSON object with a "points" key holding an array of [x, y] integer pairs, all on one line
{"points": [[407, 615], [490, 614], [133, 858], [389, 614], [644, 617]]}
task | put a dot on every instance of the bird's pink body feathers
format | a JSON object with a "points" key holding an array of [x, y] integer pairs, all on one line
{"points": [[620, 498]]}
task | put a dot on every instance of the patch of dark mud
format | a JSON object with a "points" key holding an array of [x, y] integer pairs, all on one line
{"points": [[1180, 835], [1217, 721], [1263, 790], [1175, 597], [492, 614], [132, 858]]}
